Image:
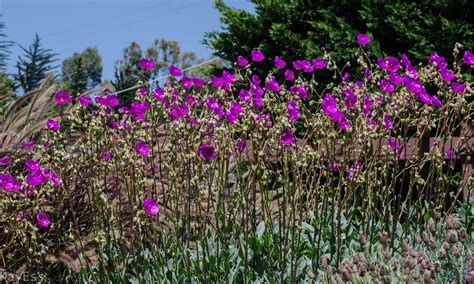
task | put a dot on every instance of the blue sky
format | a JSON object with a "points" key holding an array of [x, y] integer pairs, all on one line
{"points": [[68, 26]]}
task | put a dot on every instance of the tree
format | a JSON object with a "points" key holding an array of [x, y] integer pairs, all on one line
{"points": [[34, 65], [164, 53], [296, 29], [82, 71], [4, 48]]}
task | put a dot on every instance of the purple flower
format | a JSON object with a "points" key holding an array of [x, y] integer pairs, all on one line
{"points": [[106, 156], [62, 98], [293, 111], [142, 149], [319, 64], [447, 75], [257, 56], [343, 122], [245, 96], [28, 144], [186, 82], [287, 137], [362, 39], [393, 144], [33, 179], [112, 101], [438, 61], [242, 61], [217, 82], [42, 220], [9, 183], [458, 88], [257, 103], [32, 166], [346, 77], [289, 75], [5, 161], [410, 70], [52, 124], [174, 71], [207, 152], [199, 82], [85, 100], [390, 64], [413, 85], [279, 63], [367, 74], [395, 78], [468, 57], [350, 100], [449, 153], [300, 90], [436, 102], [241, 145], [424, 97], [386, 86], [190, 100], [272, 85], [334, 167], [150, 206], [228, 77], [329, 106], [147, 64], [388, 121]]}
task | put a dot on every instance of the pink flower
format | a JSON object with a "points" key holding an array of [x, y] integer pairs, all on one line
{"points": [[42, 220], [32, 166], [468, 57], [447, 75], [245, 96], [186, 82], [287, 137], [362, 39], [62, 98], [242, 61], [343, 122], [293, 111], [150, 206], [106, 156], [9, 183], [395, 78], [436, 102], [388, 121], [386, 87], [319, 64], [199, 82], [174, 71], [449, 154], [33, 179], [52, 124], [458, 88], [289, 75], [350, 101], [273, 85], [147, 64], [438, 61], [207, 152], [257, 56], [142, 149], [390, 64], [28, 144], [5, 161], [112, 101], [279, 63], [85, 100]]}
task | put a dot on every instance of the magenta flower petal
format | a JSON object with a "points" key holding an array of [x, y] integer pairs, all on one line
{"points": [[293, 111], [257, 56], [150, 206], [33, 179], [5, 161], [279, 63], [449, 153], [147, 64], [62, 98], [112, 101], [287, 137], [362, 39], [174, 71], [447, 75], [85, 100], [289, 75], [42, 220], [207, 152], [468, 57], [242, 61], [142, 149], [52, 124], [458, 88], [319, 64], [32, 166]]}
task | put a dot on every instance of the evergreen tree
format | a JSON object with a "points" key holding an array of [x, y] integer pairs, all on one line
{"points": [[82, 71], [33, 66], [296, 29], [4, 47]]}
